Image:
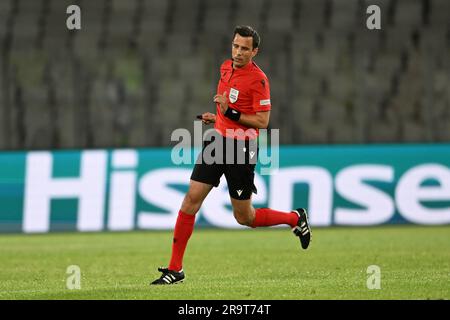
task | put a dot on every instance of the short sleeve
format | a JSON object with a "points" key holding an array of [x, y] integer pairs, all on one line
{"points": [[261, 95]]}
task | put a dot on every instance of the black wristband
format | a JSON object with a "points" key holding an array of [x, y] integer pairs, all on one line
{"points": [[232, 114]]}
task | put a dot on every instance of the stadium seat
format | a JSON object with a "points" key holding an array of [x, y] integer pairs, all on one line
{"points": [[249, 12], [439, 12], [344, 15], [185, 17], [280, 16], [312, 15]]}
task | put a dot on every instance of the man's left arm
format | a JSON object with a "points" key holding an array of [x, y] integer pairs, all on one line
{"points": [[260, 120], [260, 91]]}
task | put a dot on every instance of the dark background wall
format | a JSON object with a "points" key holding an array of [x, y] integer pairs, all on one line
{"points": [[139, 69]]}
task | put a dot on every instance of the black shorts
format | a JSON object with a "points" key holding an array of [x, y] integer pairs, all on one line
{"points": [[234, 158]]}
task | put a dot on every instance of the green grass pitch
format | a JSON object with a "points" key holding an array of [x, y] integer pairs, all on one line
{"points": [[246, 264]]}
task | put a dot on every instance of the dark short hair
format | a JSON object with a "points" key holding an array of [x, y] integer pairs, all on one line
{"points": [[247, 31]]}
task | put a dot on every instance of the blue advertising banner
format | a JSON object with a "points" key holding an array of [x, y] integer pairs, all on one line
{"points": [[129, 189]]}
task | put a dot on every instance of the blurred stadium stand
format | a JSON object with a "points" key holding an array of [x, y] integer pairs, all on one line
{"points": [[138, 69]]}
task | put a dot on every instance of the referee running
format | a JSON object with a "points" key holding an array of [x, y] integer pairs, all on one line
{"points": [[243, 107]]}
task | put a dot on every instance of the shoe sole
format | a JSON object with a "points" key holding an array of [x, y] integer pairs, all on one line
{"points": [[166, 284]]}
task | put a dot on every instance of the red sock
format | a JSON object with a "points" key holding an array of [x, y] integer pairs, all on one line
{"points": [[265, 217], [181, 235]]}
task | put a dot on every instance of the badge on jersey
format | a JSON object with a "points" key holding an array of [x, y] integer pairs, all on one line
{"points": [[233, 95]]}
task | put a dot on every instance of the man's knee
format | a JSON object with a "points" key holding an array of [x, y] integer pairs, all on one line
{"points": [[192, 199]]}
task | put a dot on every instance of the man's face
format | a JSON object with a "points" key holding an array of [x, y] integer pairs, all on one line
{"points": [[242, 50]]}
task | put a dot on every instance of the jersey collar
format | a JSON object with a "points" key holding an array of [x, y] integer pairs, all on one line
{"points": [[247, 67]]}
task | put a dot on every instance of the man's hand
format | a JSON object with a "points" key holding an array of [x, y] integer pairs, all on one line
{"points": [[222, 100], [208, 118]]}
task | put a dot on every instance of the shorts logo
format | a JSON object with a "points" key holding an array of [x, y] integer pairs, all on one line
{"points": [[264, 102], [239, 192], [233, 95]]}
